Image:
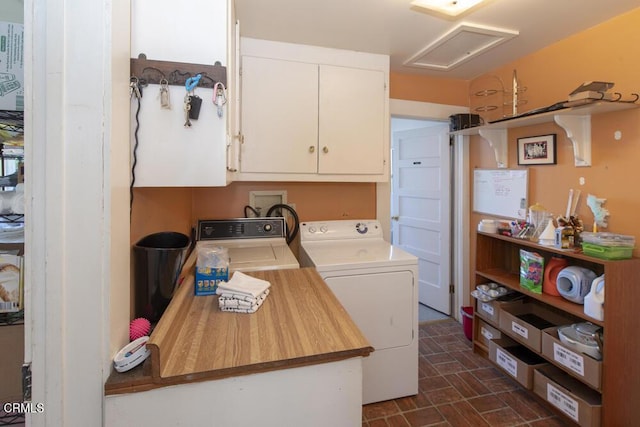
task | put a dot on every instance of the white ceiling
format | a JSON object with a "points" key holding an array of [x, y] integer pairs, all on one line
{"points": [[396, 28]]}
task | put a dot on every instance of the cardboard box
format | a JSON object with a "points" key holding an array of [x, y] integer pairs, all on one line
{"points": [[11, 359], [574, 399], [525, 322], [490, 311], [580, 365], [486, 333], [516, 360], [207, 279], [11, 283], [11, 66]]}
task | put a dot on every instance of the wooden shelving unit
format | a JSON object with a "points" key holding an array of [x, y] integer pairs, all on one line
{"points": [[497, 260]]}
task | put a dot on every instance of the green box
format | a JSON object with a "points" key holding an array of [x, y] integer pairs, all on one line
{"points": [[607, 252]]}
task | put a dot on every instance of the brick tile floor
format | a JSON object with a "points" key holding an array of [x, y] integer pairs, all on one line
{"points": [[459, 388]]}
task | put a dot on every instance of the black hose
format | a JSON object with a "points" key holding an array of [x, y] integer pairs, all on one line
{"points": [[296, 221], [255, 212]]}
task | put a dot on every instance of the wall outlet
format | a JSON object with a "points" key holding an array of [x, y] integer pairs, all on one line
{"points": [[261, 201]]}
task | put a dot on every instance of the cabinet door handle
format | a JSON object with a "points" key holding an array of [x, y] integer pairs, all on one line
{"points": [[312, 149], [325, 149]]}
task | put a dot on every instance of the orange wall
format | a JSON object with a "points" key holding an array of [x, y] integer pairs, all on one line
{"points": [[413, 87], [178, 209], [606, 52]]}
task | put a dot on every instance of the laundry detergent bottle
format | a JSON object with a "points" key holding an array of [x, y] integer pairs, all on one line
{"points": [[551, 270], [594, 301]]}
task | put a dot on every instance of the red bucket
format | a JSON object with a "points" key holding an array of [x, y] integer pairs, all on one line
{"points": [[467, 321]]}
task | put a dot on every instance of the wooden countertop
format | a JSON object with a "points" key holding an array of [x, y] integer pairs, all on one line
{"points": [[300, 323]]}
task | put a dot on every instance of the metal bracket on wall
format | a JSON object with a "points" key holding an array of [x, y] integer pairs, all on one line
{"points": [[176, 73]]}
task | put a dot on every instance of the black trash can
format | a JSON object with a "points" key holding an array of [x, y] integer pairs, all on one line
{"points": [[158, 259]]}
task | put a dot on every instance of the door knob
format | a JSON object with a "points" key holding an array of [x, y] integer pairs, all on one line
{"points": [[325, 149], [395, 218], [312, 148]]}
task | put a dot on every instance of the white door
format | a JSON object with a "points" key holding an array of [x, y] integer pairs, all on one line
{"points": [[421, 208]]}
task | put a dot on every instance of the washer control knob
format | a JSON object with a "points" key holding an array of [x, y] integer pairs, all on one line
{"points": [[268, 227], [312, 230], [323, 229], [362, 228]]}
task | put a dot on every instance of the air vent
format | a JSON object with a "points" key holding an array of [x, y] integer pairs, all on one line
{"points": [[459, 45]]}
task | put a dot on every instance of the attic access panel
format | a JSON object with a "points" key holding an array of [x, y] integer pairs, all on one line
{"points": [[459, 45]]}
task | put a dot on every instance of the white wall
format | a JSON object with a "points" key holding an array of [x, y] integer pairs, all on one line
{"points": [[399, 124], [76, 91], [321, 395]]}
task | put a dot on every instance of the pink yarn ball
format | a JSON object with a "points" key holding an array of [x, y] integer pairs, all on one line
{"points": [[139, 327]]}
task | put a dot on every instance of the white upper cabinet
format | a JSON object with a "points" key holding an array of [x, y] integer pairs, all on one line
{"points": [[352, 118], [279, 116], [313, 114], [169, 154]]}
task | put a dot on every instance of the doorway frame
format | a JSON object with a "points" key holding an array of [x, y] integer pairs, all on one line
{"points": [[460, 196]]}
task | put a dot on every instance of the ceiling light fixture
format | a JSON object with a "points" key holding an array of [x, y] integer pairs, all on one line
{"points": [[447, 8]]}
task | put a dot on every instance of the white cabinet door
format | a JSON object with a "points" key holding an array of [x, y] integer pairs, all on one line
{"points": [[167, 153], [311, 113], [352, 117], [279, 116]]}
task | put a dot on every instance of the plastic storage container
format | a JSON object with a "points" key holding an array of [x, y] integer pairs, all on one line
{"points": [[607, 252], [607, 245], [158, 259]]}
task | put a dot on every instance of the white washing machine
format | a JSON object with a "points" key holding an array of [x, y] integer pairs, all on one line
{"points": [[377, 284], [254, 244]]}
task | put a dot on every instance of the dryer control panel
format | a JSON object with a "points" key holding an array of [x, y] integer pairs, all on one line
{"points": [[340, 229], [240, 228]]}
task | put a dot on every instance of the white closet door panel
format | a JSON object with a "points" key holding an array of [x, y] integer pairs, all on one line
{"points": [[279, 116], [352, 117]]}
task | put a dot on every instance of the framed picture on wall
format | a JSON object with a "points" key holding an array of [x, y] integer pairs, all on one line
{"points": [[537, 150]]}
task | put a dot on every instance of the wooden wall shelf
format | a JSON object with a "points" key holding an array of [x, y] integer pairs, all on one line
{"points": [[575, 121]]}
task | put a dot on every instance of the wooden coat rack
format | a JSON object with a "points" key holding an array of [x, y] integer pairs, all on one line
{"points": [[149, 71]]}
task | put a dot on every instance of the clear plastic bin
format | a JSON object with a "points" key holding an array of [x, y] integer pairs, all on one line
{"points": [[608, 239]]}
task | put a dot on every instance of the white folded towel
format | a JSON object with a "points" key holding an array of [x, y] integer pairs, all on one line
{"points": [[240, 310], [235, 300], [242, 284], [228, 303]]}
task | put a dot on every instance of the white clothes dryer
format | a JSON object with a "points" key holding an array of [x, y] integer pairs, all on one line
{"points": [[377, 283]]}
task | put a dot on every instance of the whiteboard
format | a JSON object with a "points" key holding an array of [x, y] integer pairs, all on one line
{"points": [[500, 192]]}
